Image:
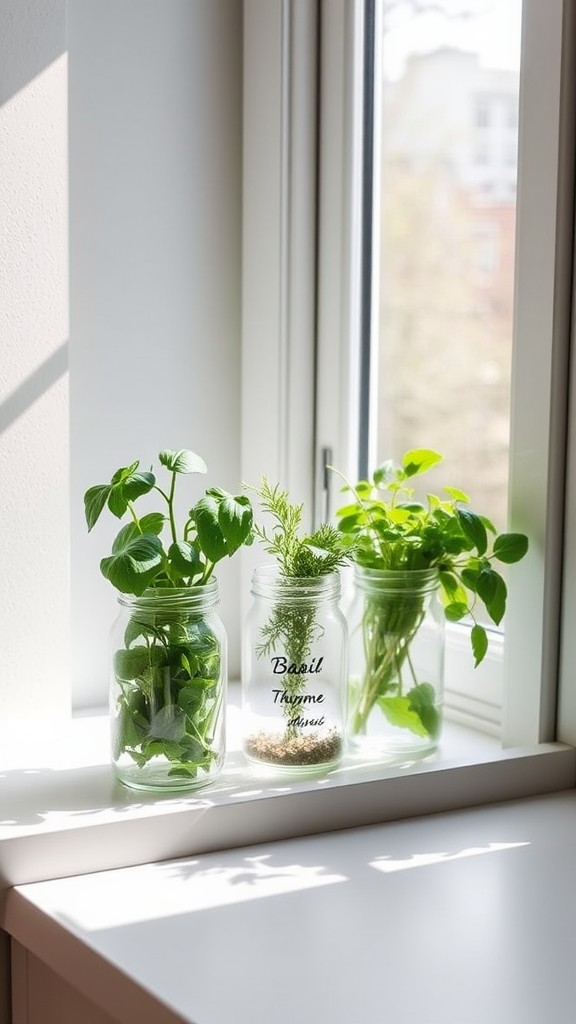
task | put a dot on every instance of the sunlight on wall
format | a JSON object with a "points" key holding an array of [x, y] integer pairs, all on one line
{"points": [[34, 634]]}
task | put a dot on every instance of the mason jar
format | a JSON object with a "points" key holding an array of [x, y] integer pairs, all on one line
{"points": [[168, 688], [294, 672], [396, 674]]}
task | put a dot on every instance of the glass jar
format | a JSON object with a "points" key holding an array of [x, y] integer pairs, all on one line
{"points": [[168, 689], [395, 687], [294, 672]]}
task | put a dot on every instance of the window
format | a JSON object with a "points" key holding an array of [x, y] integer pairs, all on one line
{"points": [[538, 365], [120, 304]]}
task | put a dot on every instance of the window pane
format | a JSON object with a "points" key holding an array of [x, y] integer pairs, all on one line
{"points": [[450, 78]]}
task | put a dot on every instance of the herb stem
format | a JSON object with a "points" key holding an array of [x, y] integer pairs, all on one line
{"points": [[171, 508], [134, 516], [163, 493], [207, 573]]}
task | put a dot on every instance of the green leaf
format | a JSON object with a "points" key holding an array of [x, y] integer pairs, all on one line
{"points": [[94, 501], [479, 639], [130, 664], [456, 494], [185, 558], [510, 547], [349, 523], [124, 472], [129, 730], [488, 524], [182, 461], [363, 489], [135, 629], [150, 524], [127, 485], [138, 484], [153, 522], [451, 587], [470, 579], [184, 771], [422, 698], [455, 611], [419, 460], [496, 607], [473, 529], [385, 474], [487, 585], [190, 698], [399, 712], [133, 566], [210, 536], [235, 520], [169, 723]]}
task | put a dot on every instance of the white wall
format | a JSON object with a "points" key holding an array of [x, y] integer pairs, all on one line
{"points": [[155, 234], [154, 126], [34, 622]]}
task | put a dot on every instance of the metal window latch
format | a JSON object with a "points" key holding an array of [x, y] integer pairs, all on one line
{"points": [[324, 485]]}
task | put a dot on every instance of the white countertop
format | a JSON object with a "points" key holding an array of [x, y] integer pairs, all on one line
{"points": [[465, 917]]}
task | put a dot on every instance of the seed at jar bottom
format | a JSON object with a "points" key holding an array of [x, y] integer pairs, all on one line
{"points": [[294, 750]]}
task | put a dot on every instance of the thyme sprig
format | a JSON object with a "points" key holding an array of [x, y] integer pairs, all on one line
{"points": [[309, 555], [292, 627]]}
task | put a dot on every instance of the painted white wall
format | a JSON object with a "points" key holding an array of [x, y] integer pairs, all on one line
{"points": [[155, 193], [34, 619], [155, 239]]}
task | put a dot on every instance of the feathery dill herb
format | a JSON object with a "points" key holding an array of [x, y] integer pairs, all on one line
{"points": [[292, 628]]}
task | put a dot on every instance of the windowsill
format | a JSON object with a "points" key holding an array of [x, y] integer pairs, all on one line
{"points": [[62, 811]]}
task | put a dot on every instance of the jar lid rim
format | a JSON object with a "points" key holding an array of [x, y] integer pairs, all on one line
{"points": [[271, 571], [207, 591]]}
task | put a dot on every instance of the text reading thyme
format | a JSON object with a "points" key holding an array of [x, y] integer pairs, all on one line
{"points": [[281, 666]]}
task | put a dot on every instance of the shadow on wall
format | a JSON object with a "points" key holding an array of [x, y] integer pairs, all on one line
{"points": [[32, 36], [34, 386]]}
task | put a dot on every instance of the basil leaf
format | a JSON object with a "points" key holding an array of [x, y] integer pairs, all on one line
{"points": [[235, 521], [127, 485], [184, 558], [94, 501], [182, 461], [210, 536], [134, 563]]}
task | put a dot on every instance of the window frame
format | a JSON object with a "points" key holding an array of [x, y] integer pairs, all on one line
{"points": [[542, 311]]}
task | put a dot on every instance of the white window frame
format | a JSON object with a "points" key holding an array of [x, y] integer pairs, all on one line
{"points": [[543, 294]]}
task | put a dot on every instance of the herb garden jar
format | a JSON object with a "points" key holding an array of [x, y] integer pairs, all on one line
{"points": [[294, 672], [168, 688], [395, 689]]}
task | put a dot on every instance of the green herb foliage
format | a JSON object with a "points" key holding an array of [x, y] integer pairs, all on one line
{"points": [[169, 673], [292, 628], [388, 530]]}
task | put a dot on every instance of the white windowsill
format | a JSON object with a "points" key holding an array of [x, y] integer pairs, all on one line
{"points": [[63, 813]]}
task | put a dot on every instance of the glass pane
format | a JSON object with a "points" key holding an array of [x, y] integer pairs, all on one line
{"points": [[450, 77]]}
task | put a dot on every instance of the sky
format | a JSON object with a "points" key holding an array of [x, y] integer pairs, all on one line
{"points": [[489, 27]]}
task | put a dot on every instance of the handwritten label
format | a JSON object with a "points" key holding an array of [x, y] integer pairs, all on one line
{"points": [[281, 665], [298, 701]]}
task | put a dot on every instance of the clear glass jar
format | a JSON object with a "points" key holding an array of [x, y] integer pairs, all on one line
{"points": [[294, 672], [396, 676], [168, 689]]}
